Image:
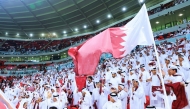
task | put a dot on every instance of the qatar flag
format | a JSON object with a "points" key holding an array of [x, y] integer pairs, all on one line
{"points": [[118, 41]]}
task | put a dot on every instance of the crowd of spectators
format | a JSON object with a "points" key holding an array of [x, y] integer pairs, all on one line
{"points": [[179, 32], [11, 47]]}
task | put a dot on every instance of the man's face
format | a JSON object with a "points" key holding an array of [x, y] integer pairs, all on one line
{"points": [[142, 69], [52, 90], [166, 61], [40, 99], [119, 87], [172, 71], [135, 83], [54, 99], [47, 88], [169, 71], [57, 89], [131, 73], [112, 100], [180, 59], [89, 80], [27, 96], [83, 94], [25, 105], [113, 75], [108, 70], [130, 66], [153, 72], [98, 85]]}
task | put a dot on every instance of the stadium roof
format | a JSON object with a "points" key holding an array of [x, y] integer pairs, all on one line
{"points": [[23, 19]]}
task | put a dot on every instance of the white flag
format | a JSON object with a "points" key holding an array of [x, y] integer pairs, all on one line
{"points": [[138, 32]]}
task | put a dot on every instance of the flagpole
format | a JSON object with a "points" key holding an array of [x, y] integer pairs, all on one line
{"points": [[166, 101]]}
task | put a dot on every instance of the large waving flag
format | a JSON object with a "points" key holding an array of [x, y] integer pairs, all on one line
{"points": [[119, 41]]}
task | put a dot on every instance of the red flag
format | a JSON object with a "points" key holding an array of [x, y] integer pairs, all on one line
{"points": [[87, 55], [179, 91], [81, 82]]}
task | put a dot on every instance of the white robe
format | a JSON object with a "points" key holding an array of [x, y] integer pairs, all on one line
{"points": [[138, 98], [87, 102], [123, 97], [76, 96], [145, 85], [103, 97], [115, 81], [56, 104], [184, 69], [110, 105], [156, 100], [63, 99], [95, 94], [45, 104]]}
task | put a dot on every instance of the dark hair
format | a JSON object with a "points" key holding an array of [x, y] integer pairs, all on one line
{"points": [[90, 77], [175, 70]]}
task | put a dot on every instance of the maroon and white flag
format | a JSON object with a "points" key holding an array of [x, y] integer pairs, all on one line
{"points": [[119, 41]]}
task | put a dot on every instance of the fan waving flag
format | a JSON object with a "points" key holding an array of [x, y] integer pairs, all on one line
{"points": [[119, 41]]}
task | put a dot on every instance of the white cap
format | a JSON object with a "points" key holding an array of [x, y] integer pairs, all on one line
{"points": [[172, 67]]}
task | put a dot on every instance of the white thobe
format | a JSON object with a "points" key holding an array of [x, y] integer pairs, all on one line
{"points": [[56, 104], [76, 96], [63, 99], [45, 104], [90, 86], [86, 103], [163, 57], [145, 85], [95, 94], [115, 81], [137, 98], [103, 97], [185, 70], [115, 105], [123, 97], [157, 99], [142, 60]]}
